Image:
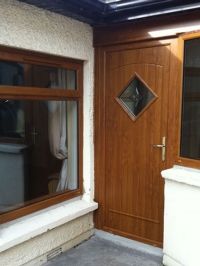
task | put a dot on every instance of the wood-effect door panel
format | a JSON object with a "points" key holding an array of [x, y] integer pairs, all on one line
{"points": [[133, 184]]}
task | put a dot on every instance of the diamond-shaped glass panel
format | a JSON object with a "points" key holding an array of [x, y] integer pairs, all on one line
{"points": [[136, 96]]}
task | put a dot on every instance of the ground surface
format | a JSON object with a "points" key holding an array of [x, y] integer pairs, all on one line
{"points": [[101, 252]]}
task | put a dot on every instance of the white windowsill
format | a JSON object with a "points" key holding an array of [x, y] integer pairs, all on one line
{"points": [[181, 174], [23, 229]]}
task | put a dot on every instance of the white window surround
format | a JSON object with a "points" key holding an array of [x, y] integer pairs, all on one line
{"points": [[27, 227]]}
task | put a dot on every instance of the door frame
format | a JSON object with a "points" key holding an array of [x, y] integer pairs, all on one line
{"points": [[100, 107]]}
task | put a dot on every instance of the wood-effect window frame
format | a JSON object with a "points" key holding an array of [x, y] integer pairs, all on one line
{"points": [[183, 161], [35, 93]]}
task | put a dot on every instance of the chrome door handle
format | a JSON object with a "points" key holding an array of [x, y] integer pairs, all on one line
{"points": [[163, 147]]}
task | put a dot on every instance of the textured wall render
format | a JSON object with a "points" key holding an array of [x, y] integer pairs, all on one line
{"points": [[31, 28], [42, 244]]}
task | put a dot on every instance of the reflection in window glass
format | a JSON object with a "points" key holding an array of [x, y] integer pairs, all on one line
{"points": [[17, 74], [45, 162], [12, 119], [190, 130]]}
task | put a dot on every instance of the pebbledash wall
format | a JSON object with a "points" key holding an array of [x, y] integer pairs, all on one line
{"points": [[31, 239]]}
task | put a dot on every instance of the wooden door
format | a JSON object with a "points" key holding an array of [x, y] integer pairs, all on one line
{"points": [[132, 191]]}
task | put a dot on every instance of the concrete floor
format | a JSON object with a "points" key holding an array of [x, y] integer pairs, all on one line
{"points": [[98, 251]]}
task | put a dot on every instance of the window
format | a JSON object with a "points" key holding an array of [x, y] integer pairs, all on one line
{"points": [[190, 121], [40, 131]]}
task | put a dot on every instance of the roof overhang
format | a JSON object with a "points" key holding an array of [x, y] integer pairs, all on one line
{"points": [[107, 12]]}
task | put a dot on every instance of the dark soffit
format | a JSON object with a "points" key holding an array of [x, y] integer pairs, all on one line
{"points": [[108, 12]]}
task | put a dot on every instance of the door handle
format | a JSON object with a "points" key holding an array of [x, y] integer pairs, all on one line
{"points": [[163, 147], [158, 145]]}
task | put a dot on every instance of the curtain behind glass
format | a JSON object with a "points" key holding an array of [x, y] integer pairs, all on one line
{"points": [[62, 120]]}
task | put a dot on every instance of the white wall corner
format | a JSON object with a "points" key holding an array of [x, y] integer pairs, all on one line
{"points": [[167, 261], [181, 216], [182, 174]]}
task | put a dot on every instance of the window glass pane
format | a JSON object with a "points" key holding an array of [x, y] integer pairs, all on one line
{"points": [[190, 131], [45, 163], [17, 74]]}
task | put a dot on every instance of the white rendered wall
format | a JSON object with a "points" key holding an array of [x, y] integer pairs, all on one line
{"points": [[31, 28], [34, 251], [182, 217]]}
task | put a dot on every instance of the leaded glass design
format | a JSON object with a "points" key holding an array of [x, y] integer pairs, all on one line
{"points": [[136, 96]]}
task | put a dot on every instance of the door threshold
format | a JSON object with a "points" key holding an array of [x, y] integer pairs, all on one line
{"points": [[132, 244]]}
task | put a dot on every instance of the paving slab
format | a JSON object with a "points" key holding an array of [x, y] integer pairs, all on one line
{"points": [[100, 252]]}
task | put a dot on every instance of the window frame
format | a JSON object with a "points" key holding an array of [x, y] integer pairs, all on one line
{"points": [[36, 93], [183, 161]]}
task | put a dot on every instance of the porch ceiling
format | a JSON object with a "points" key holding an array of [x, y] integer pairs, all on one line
{"points": [[107, 12]]}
